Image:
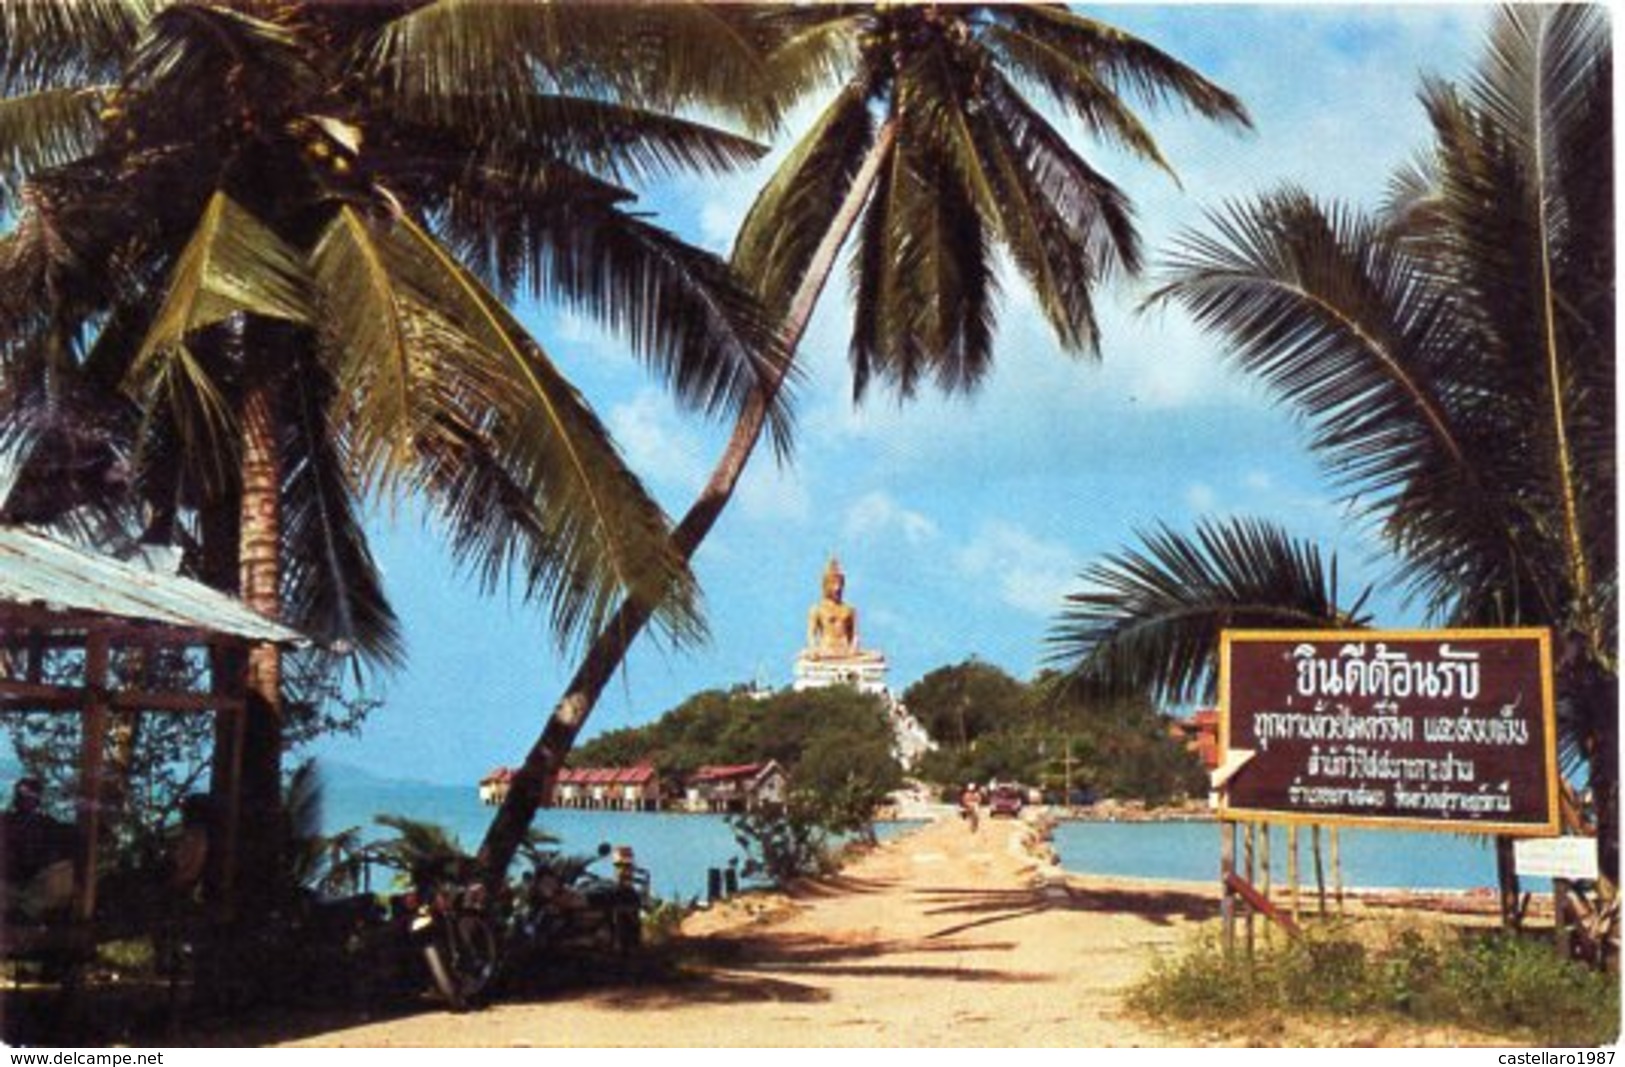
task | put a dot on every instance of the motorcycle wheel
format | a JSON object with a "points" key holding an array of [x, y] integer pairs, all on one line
{"points": [[462, 960]]}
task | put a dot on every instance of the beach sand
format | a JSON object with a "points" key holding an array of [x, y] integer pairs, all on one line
{"points": [[940, 938], [943, 937]]}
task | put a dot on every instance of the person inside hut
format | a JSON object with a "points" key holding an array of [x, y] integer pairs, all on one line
{"points": [[36, 856], [190, 854]]}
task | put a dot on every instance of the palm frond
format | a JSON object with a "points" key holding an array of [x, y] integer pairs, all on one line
{"points": [[1317, 305], [798, 204], [1537, 76], [665, 56], [1123, 61], [1339, 318], [815, 46], [956, 283], [65, 447], [45, 129], [1041, 241], [1150, 620], [487, 387], [923, 280], [34, 254], [198, 62], [1527, 127], [425, 853], [683, 310], [232, 265], [1410, 207], [64, 42], [331, 586], [377, 372], [877, 276], [1076, 87], [612, 139]]}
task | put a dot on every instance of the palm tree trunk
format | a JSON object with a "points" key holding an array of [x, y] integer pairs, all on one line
{"points": [[608, 650], [260, 584]]}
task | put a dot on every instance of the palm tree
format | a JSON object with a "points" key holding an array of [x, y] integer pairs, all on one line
{"points": [[1454, 354], [1150, 622], [930, 154], [260, 265]]}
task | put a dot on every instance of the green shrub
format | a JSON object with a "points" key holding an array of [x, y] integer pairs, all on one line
{"points": [[1494, 981], [1482, 980], [782, 844], [662, 920]]}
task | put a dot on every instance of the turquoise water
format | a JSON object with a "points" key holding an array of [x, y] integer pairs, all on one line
{"points": [[678, 850], [1189, 851]]}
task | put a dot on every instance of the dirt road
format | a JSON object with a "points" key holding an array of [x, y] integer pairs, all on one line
{"points": [[940, 938]]}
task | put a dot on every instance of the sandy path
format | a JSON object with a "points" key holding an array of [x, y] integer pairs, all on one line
{"points": [[943, 937]]}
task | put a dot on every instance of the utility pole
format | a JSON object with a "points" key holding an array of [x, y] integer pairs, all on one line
{"points": [[1067, 763]]}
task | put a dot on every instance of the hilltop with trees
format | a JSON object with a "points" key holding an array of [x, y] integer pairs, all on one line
{"points": [[987, 724]]}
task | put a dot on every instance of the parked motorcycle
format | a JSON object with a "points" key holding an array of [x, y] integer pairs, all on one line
{"points": [[452, 922], [455, 929], [562, 903]]}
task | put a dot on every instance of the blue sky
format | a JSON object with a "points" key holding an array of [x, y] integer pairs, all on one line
{"points": [[961, 523]]}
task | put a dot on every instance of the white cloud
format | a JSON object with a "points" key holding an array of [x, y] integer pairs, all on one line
{"points": [[876, 515], [655, 444], [1026, 572], [772, 493], [1201, 497], [720, 220]]}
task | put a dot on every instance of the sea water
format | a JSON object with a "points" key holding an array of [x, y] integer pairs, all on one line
{"points": [[1189, 851], [677, 850]]}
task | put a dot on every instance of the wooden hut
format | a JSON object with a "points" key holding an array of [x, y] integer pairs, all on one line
{"points": [[58, 600], [736, 787], [607, 788]]}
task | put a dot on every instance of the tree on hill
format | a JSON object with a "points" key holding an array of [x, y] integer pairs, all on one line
{"points": [[959, 704], [717, 727], [834, 743], [990, 726]]}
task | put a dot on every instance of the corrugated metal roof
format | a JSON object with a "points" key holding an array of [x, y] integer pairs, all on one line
{"points": [[720, 773], [35, 569], [638, 775]]}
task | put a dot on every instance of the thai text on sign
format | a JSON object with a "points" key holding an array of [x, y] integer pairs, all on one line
{"points": [[1449, 729]]}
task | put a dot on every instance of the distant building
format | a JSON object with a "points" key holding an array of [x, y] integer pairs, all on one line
{"points": [[736, 788], [494, 786], [1200, 734], [607, 788]]}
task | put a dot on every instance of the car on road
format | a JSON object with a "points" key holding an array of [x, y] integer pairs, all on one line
{"points": [[1006, 800]]}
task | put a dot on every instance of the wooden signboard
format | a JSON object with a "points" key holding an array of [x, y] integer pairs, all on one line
{"points": [[1433, 730]]}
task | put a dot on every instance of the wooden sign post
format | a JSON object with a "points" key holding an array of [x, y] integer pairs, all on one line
{"points": [[1449, 730]]}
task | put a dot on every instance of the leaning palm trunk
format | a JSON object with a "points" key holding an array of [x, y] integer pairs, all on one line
{"points": [[608, 650]]}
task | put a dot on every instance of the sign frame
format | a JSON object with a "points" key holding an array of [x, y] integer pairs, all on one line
{"points": [[1551, 827]]}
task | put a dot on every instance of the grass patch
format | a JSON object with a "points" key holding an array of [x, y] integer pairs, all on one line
{"points": [[1474, 979]]}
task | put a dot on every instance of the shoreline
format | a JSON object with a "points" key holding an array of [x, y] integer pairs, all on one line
{"points": [[1475, 901], [936, 938]]}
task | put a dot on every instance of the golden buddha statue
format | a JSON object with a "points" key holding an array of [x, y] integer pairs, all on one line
{"points": [[832, 624]]}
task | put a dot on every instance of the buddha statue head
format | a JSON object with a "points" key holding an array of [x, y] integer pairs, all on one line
{"points": [[834, 583]]}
